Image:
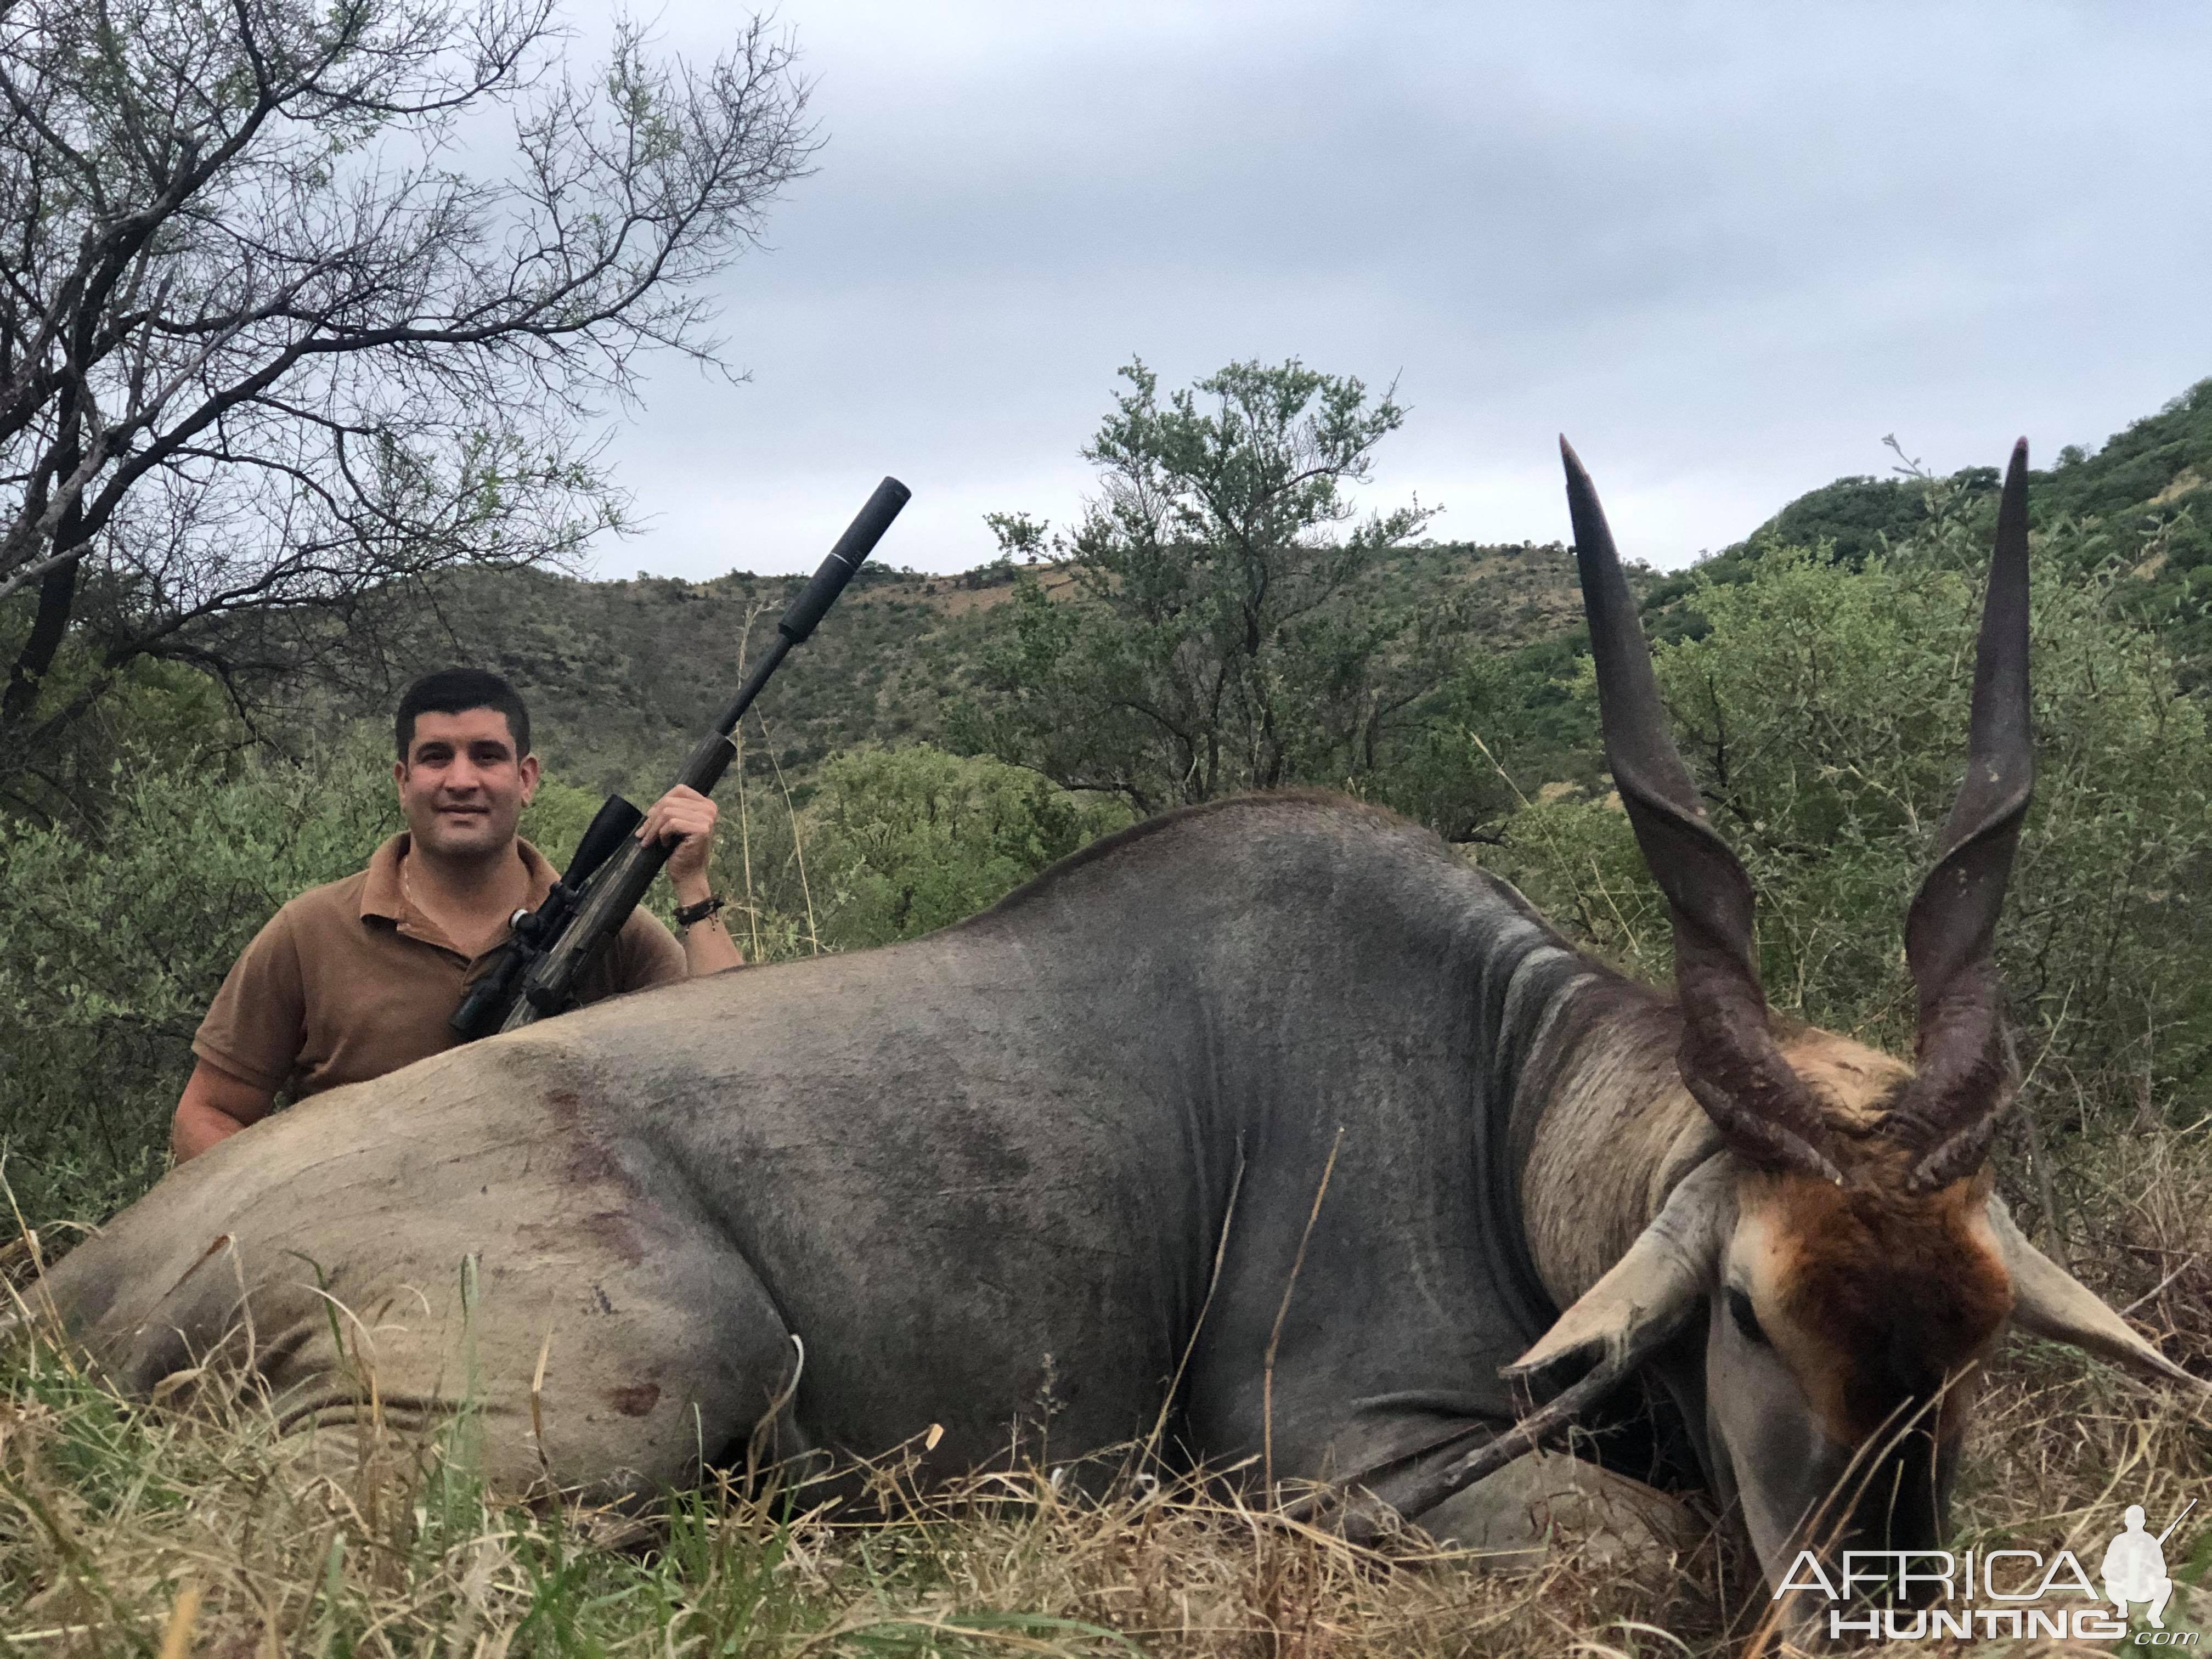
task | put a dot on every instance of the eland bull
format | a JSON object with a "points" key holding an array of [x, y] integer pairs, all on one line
{"points": [[1269, 1120]]}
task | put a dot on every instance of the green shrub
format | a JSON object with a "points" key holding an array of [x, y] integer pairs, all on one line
{"points": [[904, 841], [113, 939], [1825, 717]]}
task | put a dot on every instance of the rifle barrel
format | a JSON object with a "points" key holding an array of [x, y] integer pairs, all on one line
{"points": [[621, 882], [2177, 1521]]}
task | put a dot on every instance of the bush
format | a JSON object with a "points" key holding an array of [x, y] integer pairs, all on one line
{"points": [[904, 841], [113, 939], [1825, 717]]}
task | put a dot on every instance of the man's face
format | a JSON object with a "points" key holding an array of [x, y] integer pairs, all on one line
{"points": [[462, 786]]}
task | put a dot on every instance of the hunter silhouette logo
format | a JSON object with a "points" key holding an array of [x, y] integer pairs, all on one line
{"points": [[1999, 1592], [2135, 1565]]}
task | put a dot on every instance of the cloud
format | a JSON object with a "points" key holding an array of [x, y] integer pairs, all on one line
{"points": [[1726, 247]]}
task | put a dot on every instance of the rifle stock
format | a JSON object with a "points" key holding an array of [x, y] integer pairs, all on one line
{"points": [[539, 968]]}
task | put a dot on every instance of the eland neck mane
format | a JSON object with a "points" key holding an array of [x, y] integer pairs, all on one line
{"points": [[1604, 1127]]}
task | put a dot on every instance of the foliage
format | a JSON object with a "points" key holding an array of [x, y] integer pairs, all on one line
{"points": [[113, 944], [2136, 499], [904, 841], [148, 707], [1223, 635], [1824, 716], [268, 356]]}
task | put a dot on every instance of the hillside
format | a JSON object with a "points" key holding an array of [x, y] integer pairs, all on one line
{"points": [[622, 676], [2143, 486], [2140, 480]]}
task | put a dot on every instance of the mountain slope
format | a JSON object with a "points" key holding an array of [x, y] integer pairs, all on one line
{"points": [[622, 677], [2144, 487]]}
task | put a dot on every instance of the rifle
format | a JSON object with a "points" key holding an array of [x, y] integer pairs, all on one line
{"points": [[535, 972]]}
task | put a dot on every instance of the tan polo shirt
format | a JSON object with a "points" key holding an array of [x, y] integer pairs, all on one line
{"points": [[350, 980]]}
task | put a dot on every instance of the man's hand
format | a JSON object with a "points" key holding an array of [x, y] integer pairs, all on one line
{"points": [[684, 812], [686, 817]]}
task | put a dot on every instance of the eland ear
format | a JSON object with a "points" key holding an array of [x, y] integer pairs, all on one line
{"points": [[1650, 1292], [2050, 1303]]}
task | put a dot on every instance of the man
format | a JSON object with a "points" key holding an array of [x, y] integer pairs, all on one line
{"points": [[357, 978]]}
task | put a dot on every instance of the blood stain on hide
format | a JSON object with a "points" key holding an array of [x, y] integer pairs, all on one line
{"points": [[590, 1163], [214, 1247], [611, 1230], [636, 1399], [590, 1159]]}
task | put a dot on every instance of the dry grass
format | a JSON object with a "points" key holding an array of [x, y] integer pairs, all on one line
{"points": [[127, 1530], [110, 1517]]}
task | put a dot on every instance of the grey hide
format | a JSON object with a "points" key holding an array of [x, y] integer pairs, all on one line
{"points": [[983, 1176]]}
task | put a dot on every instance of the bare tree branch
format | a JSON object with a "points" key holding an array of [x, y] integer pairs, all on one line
{"points": [[268, 348]]}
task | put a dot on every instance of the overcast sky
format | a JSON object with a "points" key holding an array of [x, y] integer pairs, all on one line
{"points": [[1725, 248]]}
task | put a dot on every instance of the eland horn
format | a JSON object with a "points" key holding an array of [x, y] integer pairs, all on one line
{"points": [[1964, 1064], [1727, 1059]]}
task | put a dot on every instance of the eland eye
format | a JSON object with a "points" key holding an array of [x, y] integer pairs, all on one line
{"points": [[1747, 1320]]}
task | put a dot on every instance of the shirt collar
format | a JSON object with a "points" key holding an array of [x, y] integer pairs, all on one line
{"points": [[382, 896]]}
